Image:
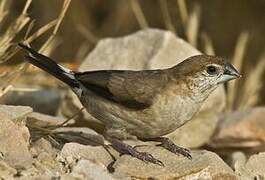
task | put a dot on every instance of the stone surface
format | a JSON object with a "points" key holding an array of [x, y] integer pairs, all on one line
{"points": [[42, 145], [95, 154], [151, 49], [42, 120], [242, 129], [256, 165], [253, 168], [80, 135], [204, 165], [43, 101], [14, 146], [17, 114], [85, 169], [6, 172], [238, 163]]}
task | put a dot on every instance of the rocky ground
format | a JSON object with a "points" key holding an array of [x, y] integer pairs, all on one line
{"points": [[34, 145]]}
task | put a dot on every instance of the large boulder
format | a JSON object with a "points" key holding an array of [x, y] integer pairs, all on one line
{"points": [[152, 49]]}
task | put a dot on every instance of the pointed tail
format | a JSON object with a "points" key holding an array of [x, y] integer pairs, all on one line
{"points": [[48, 65]]}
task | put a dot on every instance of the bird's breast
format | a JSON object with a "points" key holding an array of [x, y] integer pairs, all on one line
{"points": [[173, 110]]}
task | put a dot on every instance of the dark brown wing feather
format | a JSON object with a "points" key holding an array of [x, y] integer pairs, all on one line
{"points": [[133, 89]]}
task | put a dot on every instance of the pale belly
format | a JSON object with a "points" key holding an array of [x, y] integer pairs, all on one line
{"points": [[165, 116]]}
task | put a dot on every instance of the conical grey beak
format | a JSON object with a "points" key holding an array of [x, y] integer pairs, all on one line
{"points": [[231, 70], [229, 73]]}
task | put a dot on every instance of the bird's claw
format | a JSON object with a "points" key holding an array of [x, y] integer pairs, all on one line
{"points": [[169, 145], [147, 157], [123, 148], [144, 156]]}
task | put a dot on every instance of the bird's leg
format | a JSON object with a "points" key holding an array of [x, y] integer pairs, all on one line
{"points": [[169, 145], [124, 148]]}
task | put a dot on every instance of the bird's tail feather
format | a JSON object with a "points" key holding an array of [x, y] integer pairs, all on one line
{"points": [[50, 66]]}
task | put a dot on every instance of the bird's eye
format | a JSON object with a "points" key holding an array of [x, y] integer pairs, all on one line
{"points": [[212, 70]]}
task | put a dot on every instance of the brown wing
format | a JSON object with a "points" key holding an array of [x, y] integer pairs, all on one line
{"points": [[133, 89]]}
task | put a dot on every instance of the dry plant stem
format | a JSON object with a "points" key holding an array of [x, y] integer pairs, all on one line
{"points": [[252, 85], [87, 34], [59, 21], [193, 25], [237, 60], [26, 6], [29, 29], [3, 12], [15, 28], [166, 16], [208, 44], [11, 32], [138, 12], [40, 31], [76, 114], [67, 120], [183, 11]]}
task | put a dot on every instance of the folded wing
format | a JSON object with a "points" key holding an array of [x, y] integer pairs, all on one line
{"points": [[132, 89]]}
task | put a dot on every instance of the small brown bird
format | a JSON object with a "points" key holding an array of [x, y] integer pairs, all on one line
{"points": [[143, 104]]}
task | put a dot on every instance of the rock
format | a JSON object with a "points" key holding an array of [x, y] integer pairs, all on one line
{"points": [[253, 168], [41, 120], [95, 154], [13, 143], [42, 145], [241, 129], [239, 165], [151, 49], [84, 136], [6, 172], [204, 165], [85, 169], [17, 114], [43, 101], [47, 163], [256, 165]]}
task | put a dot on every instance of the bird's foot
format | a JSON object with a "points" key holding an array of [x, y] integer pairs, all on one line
{"points": [[124, 148], [169, 145]]}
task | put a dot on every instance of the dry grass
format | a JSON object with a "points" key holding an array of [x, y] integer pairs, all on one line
{"points": [[12, 31], [252, 85], [193, 23], [208, 44], [139, 14], [8, 48], [166, 16], [237, 61], [182, 7]]}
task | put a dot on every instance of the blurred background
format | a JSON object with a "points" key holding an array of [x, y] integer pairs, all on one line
{"points": [[233, 29]]}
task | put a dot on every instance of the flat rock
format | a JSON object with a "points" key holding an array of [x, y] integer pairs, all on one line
{"points": [[95, 154], [151, 49], [6, 172], [80, 135], [241, 129], [43, 146], [42, 120], [85, 169], [204, 165], [17, 114], [14, 147], [256, 165]]}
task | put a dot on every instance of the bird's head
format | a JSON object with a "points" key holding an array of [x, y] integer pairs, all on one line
{"points": [[203, 73]]}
